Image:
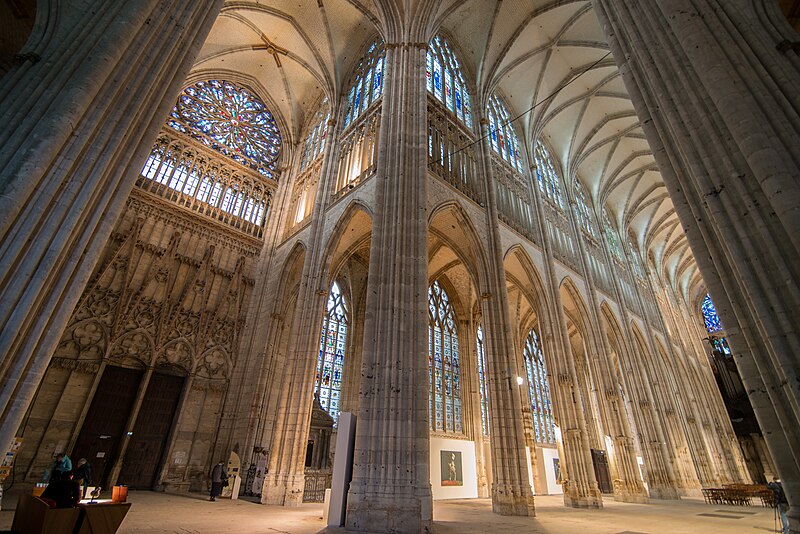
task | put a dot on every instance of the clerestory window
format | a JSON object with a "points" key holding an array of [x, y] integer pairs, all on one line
{"points": [[445, 80], [546, 176], [503, 138], [366, 83]]}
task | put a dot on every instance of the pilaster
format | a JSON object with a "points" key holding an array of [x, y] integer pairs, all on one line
{"points": [[82, 118]]}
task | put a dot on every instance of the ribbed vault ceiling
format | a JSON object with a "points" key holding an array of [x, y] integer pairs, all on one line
{"points": [[528, 50]]}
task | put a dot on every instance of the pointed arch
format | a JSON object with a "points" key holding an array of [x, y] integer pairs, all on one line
{"points": [[502, 133], [290, 277], [548, 178], [538, 389], [445, 404], [365, 82], [449, 223], [332, 347], [352, 232], [519, 267]]}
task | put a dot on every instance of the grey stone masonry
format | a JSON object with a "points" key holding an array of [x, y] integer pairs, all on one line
{"points": [[511, 491], [80, 122], [716, 89]]}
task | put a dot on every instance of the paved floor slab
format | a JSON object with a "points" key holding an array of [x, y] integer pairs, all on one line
{"points": [[160, 513]]}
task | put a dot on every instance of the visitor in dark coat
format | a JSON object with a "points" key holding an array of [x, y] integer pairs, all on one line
{"points": [[83, 475], [219, 479]]}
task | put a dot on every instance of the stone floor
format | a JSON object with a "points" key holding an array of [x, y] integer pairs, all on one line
{"points": [[159, 513]]}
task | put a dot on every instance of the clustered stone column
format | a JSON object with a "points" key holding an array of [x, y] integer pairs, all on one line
{"points": [[511, 489], [81, 112], [628, 486], [391, 486], [715, 85], [579, 480]]}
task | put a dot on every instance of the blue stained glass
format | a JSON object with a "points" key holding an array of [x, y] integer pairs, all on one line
{"points": [[710, 315], [447, 84], [538, 390], [231, 120], [546, 175], [366, 83], [331, 352], [504, 138], [443, 361]]}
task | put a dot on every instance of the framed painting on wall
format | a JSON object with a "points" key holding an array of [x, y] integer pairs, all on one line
{"points": [[452, 471]]}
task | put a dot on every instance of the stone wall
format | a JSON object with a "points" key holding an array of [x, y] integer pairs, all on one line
{"points": [[169, 293]]}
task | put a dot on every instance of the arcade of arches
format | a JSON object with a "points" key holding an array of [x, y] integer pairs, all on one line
{"points": [[488, 229]]}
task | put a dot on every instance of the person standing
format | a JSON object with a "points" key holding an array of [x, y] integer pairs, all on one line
{"points": [[61, 465], [219, 479], [781, 503], [83, 475]]}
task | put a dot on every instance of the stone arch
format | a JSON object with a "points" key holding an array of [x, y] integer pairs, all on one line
{"points": [[345, 261], [638, 338], [85, 340], [135, 348], [214, 363], [577, 311], [177, 354], [463, 241], [290, 276], [615, 338], [342, 246], [524, 276], [344, 83]]}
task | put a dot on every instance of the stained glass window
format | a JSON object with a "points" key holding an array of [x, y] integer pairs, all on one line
{"points": [[443, 362], [611, 237], [332, 343], [482, 381], [445, 80], [720, 344], [710, 315], [501, 132], [231, 120], [539, 390], [546, 175], [193, 177], [317, 135], [366, 83], [583, 211]]}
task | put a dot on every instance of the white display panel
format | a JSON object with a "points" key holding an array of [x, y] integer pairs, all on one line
{"points": [[459, 467], [547, 467]]}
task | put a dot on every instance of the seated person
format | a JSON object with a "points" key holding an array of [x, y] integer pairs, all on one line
{"points": [[65, 491]]}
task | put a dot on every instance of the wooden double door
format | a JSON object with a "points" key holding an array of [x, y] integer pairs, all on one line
{"points": [[601, 471], [107, 426]]}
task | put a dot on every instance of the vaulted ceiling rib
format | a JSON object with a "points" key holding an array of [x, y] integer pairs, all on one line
{"points": [[527, 49]]}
